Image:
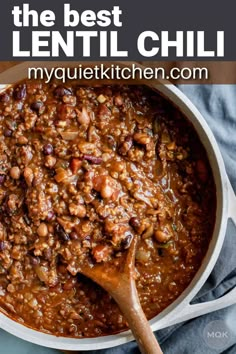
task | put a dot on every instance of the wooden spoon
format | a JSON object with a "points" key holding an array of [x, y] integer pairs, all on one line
{"points": [[120, 284]]}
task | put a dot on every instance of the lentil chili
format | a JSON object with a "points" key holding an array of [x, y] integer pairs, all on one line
{"points": [[83, 170]]}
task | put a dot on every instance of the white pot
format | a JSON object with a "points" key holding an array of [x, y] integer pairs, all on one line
{"points": [[180, 310]]}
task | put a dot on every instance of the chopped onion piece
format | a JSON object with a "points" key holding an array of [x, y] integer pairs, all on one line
{"points": [[69, 135]]}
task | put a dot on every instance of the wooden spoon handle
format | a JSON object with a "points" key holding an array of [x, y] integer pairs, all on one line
{"points": [[142, 331], [129, 304]]}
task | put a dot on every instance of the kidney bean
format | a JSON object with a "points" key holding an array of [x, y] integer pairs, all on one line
{"points": [[62, 91], [134, 222], [61, 233], [35, 106], [2, 246], [93, 159], [27, 219], [74, 235], [4, 97], [7, 133], [2, 179], [48, 149], [50, 216], [126, 242], [51, 173], [34, 260], [20, 92], [47, 253], [23, 183], [87, 238]]}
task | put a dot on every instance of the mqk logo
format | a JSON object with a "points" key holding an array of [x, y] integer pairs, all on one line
{"points": [[217, 335]]}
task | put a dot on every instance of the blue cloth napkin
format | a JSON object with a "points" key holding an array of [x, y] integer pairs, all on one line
{"points": [[216, 332]]}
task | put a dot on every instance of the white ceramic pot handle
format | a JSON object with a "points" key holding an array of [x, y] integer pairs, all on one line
{"points": [[196, 310], [191, 311]]}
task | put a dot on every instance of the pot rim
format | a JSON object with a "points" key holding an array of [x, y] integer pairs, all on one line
{"points": [[174, 95]]}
